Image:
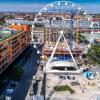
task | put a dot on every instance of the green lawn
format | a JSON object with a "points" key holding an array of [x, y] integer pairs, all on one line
{"points": [[64, 88]]}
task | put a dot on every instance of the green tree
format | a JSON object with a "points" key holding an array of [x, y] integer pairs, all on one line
{"points": [[2, 97], [2, 21], [17, 73], [81, 37], [94, 53]]}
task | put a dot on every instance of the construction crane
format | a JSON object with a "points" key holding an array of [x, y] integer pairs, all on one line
{"points": [[71, 35], [77, 31]]}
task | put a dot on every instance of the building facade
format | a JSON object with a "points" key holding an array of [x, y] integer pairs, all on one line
{"points": [[13, 45]]}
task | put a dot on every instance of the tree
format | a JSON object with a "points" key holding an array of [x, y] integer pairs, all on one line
{"points": [[2, 21], [17, 73], [81, 38], [94, 53], [2, 97]]}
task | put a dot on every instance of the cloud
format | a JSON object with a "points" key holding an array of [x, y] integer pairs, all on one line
{"points": [[90, 7]]}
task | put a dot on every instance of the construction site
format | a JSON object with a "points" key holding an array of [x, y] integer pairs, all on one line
{"points": [[66, 32], [74, 23], [62, 36]]}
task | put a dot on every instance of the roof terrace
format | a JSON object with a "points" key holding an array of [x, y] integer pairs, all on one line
{"points": [[6, 33]]}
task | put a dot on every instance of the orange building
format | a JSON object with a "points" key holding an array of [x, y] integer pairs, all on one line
{"points": [[13, 45], [20, 27]]}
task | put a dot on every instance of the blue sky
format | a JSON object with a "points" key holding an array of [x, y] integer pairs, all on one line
{"points": [[93, 6], [46, 1]]}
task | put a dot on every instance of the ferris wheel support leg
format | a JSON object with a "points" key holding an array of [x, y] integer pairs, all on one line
{"points": [[70, 52], [51, 57]]}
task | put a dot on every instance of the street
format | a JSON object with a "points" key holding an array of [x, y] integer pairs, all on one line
{"points": [[30, 69]]}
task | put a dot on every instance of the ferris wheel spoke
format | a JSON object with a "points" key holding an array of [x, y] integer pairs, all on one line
{"points": [[61, 15]]}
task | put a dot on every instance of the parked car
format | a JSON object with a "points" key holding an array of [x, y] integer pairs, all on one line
{"points": [[31, 93], [9, 93], [68, 77], [34, 78], [62, 77], [13, 84], [75, 83]]}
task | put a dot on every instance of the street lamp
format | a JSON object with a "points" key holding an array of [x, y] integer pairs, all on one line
{"points": [[38, 61], [38, 52], [35, 46]]}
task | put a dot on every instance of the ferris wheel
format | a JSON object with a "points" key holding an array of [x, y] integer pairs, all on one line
{"points": [[63, 14], [57, 18]]}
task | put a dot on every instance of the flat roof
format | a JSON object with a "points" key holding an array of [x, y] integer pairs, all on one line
{"points": [[97, 40], [4, 34]]}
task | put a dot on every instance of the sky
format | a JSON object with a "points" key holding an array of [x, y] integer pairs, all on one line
{"points": [[92, 6]]}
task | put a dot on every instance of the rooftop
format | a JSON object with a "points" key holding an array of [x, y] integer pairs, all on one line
{"points": [[6, 33]]}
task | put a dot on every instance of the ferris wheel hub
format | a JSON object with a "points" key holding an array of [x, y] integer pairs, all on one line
{"points": [[61, 32]]}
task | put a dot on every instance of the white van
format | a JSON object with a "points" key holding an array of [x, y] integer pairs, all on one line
{"points": [[9, 93]]}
